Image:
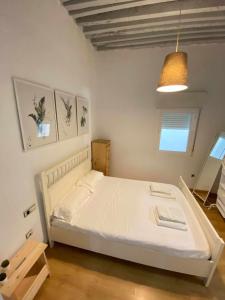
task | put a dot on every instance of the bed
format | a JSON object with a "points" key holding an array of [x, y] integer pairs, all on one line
{"points": [[118, 220]]}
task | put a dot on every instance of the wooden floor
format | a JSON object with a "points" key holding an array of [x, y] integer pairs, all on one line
{"points": [[77, 275]]}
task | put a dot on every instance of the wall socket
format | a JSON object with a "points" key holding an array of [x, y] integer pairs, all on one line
{"points": [[29, 234], [28, 211]]}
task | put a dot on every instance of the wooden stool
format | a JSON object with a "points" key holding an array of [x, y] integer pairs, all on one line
{"points": [[27, 272]]}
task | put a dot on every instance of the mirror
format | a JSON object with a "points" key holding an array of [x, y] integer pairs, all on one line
{"points": [[210, 169]]}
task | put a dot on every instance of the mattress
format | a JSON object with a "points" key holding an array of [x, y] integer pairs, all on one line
{"points": [[123, 210]]}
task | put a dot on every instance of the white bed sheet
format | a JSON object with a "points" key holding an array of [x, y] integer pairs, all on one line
{"points": [[123, 209]]}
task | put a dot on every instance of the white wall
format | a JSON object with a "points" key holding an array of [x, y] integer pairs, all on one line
{"points": [[39, 42], [126, 110]]}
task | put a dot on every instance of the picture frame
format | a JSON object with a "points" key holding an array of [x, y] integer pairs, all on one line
{"points": [[36, 111], [66, 112], [82, 115]]}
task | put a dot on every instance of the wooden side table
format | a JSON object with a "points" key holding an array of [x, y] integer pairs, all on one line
{"points": [[101, 155], [28, 270]]}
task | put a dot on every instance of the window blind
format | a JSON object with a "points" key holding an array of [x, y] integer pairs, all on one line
{"points": [[176, 120]]}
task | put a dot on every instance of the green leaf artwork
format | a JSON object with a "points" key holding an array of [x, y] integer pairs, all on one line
{"points": [[39, 108], [83, 120], [68, 108]]}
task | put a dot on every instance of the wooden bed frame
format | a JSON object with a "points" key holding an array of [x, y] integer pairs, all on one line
{"points": [[58, 180]]}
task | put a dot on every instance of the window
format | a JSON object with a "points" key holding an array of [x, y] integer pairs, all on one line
{"points": [[178, 129], [218, 151]]}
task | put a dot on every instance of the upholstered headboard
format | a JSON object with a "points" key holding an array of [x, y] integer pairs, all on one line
{"points": [[59, 179]]}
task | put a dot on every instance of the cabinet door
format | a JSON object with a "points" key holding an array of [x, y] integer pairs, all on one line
{"points": [[107, 160]]}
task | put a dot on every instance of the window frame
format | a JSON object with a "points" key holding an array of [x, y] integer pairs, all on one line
{"points": [[192, 133], [213, 145]]}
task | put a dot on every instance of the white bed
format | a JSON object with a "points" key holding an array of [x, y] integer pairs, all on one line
{"points": [[123, 210], [118, 220]]}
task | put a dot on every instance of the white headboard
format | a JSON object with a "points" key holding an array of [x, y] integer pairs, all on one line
{"points": [[59, 179]]}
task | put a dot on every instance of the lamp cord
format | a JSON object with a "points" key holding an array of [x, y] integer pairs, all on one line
{"points": [[178, 31]]}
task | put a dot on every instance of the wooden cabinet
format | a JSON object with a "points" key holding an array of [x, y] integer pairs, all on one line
{"points": [[101, 155], [28, 270]]}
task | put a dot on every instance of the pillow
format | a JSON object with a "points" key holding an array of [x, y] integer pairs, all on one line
{"points": [[90, 180], [71, 203]]}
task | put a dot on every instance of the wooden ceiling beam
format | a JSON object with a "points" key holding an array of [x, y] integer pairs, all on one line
{"points": [[195, 41], [190, 31], [158, 22], [160, 39], [154, 11], [187, 26], [93, 10], [116, 24], [82, 4]]}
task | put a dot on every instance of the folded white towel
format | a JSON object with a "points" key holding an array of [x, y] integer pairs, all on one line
{"points": [[168, 224], [171, 214], [160, 188]]}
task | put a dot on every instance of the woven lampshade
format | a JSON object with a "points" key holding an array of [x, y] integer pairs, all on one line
{"points": [[174, 73]]}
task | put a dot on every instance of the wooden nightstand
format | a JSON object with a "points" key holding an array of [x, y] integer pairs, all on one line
{"points": [[101, 155], [28, 270]]}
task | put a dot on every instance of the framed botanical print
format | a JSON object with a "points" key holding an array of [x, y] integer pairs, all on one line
{"points": [[66, 115], [82, 115], [36, 109]]}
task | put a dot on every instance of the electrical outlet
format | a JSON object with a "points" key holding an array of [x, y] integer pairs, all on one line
{"points": [[29, 234], [29, 210]]}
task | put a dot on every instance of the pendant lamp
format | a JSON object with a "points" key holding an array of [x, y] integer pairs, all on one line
{"points": [[174, 73]]}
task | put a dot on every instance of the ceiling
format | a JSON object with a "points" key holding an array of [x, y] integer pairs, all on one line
{"points": [[115, 24]]}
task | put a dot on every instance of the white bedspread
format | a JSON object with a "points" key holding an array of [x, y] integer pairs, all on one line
{"points": [[123, 209]]}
